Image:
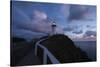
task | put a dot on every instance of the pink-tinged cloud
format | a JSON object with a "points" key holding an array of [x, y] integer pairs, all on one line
{"points": [[85, 39], [87, 36]]}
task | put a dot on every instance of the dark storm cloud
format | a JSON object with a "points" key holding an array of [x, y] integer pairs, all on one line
{"points": [[82, 12], [76, 12], [90, 33], [78, 32]]}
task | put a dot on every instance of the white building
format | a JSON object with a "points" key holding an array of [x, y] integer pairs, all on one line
{"points": [[54, 26]]}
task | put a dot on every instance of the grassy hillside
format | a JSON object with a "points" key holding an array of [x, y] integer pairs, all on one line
{"points": [[64, 49]]}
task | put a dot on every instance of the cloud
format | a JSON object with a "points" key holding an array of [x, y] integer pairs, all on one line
{"points": [[71, 28], [36, 24], [26, 26], [88, 26], [82, 12], [27, 34], [68, 29], [74, 29], [77, 12], [87, 36], [90, 34], [39, 15], [41, 22], [65, 10], [91, 26], [78, 32]]}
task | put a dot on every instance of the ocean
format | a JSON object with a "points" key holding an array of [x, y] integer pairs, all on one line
{"points": [[89, 47]]}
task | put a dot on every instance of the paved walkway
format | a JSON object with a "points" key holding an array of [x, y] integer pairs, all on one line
{"points": [[23, 54], [30, 59]]}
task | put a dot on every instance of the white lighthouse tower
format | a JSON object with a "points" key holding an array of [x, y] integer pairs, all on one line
{"points": [[53, 28]]}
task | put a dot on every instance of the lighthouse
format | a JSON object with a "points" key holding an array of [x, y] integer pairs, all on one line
{"points": [[53, 28]]}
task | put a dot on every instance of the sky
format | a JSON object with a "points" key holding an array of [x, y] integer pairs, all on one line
{"points": [[33, 19]]}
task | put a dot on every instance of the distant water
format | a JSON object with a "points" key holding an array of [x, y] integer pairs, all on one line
{"points": [[89, 47]]}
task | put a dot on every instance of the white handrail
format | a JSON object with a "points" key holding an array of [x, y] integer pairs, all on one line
{"points": [[46, 53]]}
